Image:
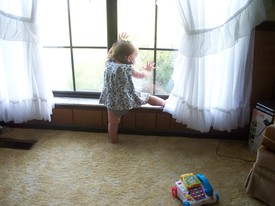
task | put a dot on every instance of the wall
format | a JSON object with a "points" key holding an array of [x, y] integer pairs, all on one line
{"points": [[271, 11], [144, 120], [264, 63], [153, 120]]}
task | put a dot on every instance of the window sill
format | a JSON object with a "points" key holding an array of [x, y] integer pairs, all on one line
{"points": [[70, 101]]}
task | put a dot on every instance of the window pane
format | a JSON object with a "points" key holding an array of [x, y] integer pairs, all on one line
{"points": [[89, 25], [138, 19], [89, 66], [169, 28], [165, 60], [145, 85], [53, 18], [58, 64]]}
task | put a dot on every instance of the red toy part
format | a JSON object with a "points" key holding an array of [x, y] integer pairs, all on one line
{"points": [[174, 191]]}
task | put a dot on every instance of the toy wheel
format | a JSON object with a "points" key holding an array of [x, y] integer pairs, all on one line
{"points": [[174, 191], [217, 196], [186, 204]]}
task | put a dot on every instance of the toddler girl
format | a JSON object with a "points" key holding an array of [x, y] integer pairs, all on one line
{"points": [[119, 94]]}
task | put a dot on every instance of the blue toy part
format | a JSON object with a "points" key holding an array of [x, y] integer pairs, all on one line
{"points": [[217, 196], [186, 204], [207, 187]]}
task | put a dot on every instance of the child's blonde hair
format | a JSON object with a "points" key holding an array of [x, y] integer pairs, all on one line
{"points": [[121, 50]]}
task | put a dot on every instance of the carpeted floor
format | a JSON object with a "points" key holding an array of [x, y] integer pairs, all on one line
{"points": [[80, 168]]}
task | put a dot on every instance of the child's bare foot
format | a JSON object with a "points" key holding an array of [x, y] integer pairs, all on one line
{"points": [[114, 140]]}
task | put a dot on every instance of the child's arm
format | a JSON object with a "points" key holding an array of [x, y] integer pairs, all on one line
{"points": [[147, 69]]}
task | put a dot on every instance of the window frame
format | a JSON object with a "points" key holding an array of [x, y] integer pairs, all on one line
{"points": [[112, 35]]}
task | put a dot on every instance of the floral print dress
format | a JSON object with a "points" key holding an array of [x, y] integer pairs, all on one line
{"points": [[119, 92]]}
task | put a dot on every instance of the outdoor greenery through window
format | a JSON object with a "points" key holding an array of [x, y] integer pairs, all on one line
{"points": [[76, 36]]}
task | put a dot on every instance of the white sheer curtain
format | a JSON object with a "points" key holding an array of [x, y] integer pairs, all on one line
{"points": [[24, 94], [212, 72]]}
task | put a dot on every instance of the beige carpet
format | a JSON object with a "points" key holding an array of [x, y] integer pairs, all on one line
{"points": [[81, 168]]}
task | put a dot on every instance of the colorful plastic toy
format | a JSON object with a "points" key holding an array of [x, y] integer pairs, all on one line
{"points": [[194, 190]]}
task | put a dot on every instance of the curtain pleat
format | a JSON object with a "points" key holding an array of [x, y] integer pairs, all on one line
{"points": [[213, 69], [24, 94]]}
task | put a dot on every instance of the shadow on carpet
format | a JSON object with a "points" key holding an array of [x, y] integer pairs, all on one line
{"points": [[16, 144]]}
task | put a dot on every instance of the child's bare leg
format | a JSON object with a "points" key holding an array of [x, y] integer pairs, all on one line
{"points": [[156, 101], [113, 121]]}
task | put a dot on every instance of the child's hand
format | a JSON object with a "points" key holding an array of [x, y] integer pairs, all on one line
{"points": [[123, 36], [149, 67]]}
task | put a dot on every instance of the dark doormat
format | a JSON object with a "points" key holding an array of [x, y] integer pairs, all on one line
{"points": [[16, 144]]}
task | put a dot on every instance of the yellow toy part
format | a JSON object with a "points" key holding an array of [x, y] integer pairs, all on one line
{"points": [[190, 180]]}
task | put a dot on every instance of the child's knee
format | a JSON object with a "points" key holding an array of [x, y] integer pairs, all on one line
{"points": [[114, 121], [113, 118], [113, 124]]}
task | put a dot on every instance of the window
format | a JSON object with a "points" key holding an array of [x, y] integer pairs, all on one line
{"points": [[77, 34]]}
